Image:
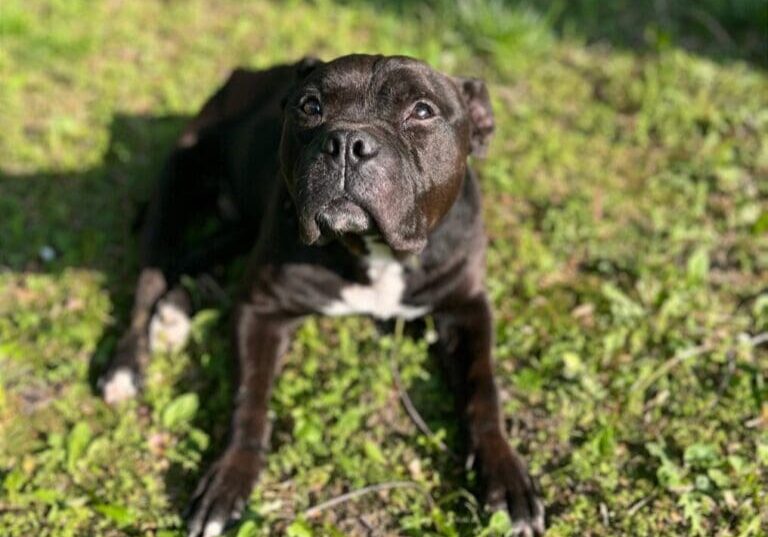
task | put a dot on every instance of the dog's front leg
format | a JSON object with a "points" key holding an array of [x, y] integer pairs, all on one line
{"points": [[261, 340], [464, 346]]}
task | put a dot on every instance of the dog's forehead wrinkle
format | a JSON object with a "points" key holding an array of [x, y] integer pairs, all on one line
{"points": [[375, 73], [405, 79], [345, 74], [361, 84]]}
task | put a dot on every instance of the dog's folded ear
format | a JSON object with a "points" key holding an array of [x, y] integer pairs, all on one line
{"points": [[306, 65], [301, 70], [475, 96]]}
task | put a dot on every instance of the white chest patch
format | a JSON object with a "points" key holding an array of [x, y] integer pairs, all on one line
{"points": [[382, 298]]}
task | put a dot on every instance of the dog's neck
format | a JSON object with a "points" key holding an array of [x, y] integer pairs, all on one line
{"points": [[373, 247], [382, 286]]}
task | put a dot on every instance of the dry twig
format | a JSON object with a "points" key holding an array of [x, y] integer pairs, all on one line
{"points": [[333, 502], [687, 354], [405, 398]]}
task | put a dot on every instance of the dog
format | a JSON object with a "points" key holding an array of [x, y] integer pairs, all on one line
{"points": [[347, 183]]}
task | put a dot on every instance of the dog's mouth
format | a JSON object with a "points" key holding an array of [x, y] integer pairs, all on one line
{"points": [[343, 217], [340, 219]]}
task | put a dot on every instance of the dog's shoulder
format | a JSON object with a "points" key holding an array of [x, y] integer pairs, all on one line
{"points": [[245, 91]]}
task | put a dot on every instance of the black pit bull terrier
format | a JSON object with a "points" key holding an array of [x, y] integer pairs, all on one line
{"points": [[348, 183]]}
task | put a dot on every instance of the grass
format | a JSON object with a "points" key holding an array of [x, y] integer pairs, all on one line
{"points": [[627, 204]]}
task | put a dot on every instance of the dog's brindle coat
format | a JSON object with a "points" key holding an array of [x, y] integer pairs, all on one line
{"points": [[348, 183]]}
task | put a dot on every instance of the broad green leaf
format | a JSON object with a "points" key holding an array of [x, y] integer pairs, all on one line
{"points": [[77, 441], [374, 452], [181, 410], [248, 529], [299, 528], [701, 455], [118, 514], [698, 266]]}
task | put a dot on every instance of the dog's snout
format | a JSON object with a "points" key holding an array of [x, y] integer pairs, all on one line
{"points": [[352, 146]]}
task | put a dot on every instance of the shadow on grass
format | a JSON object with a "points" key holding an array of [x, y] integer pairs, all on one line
{"points": [[89, 220]]}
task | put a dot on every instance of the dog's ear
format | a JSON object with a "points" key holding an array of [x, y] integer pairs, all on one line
{"points": [[306, 65], [301, 70], [478, 103]]}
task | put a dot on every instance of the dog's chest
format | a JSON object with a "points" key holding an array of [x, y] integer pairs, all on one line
{"points": [[383, 296]]}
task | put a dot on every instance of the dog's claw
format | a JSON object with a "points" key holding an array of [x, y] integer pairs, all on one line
{"points": [[508, 486], [222, 494], [531, 525]]}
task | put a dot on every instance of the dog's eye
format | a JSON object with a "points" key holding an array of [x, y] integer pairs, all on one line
{"points": [[422, 111], [311, 106]]}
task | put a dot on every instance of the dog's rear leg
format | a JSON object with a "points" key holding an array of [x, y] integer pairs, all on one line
{"points": [[182, 195], [123, 376]]}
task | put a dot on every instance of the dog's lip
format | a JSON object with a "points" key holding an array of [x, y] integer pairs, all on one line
{"points": [[345, 220], [341, 217]]}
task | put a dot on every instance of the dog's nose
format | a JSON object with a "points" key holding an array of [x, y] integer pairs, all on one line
{"points": [[354, 146]]}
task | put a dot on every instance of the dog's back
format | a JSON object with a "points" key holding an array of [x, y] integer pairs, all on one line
{"points": [[244, 92], [237, 132]]}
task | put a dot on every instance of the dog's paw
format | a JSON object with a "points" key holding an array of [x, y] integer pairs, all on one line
{"points": [[119, 385], [169, 328], [508, 486], [123, 377], [222, 494]]}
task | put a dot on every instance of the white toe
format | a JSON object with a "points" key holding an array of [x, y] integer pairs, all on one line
{"points": [[169, 328], [521, 529], [213, 528], [120, 386]]}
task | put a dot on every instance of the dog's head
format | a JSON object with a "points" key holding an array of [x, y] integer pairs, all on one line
{"points": [[376, 145]]}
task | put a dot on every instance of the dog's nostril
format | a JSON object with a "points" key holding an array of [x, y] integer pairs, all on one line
{"points": [[332, 145], [363, 148], [354, 146], [358, 148]]}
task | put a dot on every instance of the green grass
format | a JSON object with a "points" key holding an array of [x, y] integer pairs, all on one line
{"points": [[627, 204]]}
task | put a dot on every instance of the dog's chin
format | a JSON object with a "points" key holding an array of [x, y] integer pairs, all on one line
{"points": [[341, 219], [347, 222]]}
